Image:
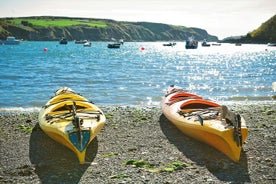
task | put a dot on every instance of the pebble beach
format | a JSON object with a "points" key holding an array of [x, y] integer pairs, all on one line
{"points": [[137, 145]]}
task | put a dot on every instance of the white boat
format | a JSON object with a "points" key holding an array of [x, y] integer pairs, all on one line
{"points": [[80, 41], [11, 41], [205, 44], [87, 44], [121, 41], [271, 44], [216, 44]]}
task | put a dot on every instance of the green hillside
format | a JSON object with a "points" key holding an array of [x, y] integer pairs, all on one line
{"points": [[266, 33], [53, 28], [52, 22]]}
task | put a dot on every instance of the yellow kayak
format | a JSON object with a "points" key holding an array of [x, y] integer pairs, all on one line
{"points": [[205, 121], [71, 120]]}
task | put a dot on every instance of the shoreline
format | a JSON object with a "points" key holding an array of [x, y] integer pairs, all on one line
{"points": [[138, 134], [36, 109]]}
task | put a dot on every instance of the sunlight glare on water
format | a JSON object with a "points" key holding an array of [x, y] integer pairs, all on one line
{"points": [[136, 74]]}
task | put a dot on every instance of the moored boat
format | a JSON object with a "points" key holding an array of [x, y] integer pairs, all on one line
{"points": [[216, 44], [71, 120], [114, 45], [271, 44], [80, 41], [11, 41], [121, 41], [63, 41], [205, 121], [191, 43], [87, 44], [169, 44], [205, 44]]}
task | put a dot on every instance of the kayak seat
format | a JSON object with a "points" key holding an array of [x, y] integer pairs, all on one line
{"points": [[198, 104], [182, 96]]}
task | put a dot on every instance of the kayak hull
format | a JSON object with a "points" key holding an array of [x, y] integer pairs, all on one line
{"points": [[58, 120], [185, 114]]}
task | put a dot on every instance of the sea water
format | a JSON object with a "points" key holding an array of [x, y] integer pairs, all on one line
{"points": [[136, 74]]}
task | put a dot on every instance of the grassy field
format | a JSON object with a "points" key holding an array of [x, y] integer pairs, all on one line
{"points": [[60, 22]]}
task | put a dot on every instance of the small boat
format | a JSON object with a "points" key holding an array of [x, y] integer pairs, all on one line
{"points": [[63, 41], [87, 44], [205, 121], [271, 44], [238, 44], [216, 44], [11, 41], [71, 120], [80, 41], [191, 43], [205, 44], [121, 41], [169, 44], [114, 45]]}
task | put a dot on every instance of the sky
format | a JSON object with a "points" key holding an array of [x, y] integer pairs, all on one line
{"points": [[222, 18]]}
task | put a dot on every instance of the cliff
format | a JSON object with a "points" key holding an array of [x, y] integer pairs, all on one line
{"points": [[53, 28]]}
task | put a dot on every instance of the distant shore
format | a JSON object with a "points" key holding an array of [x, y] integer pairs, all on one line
{"points": [[137, 145]]}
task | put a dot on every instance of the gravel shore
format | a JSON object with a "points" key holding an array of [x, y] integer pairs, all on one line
{"points": [[137, 145]]}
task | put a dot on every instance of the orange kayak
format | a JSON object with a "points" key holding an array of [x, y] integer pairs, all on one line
{"points": [[205, 121]]}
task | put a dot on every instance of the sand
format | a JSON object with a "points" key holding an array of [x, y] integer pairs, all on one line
{"points": [[137, 145]]}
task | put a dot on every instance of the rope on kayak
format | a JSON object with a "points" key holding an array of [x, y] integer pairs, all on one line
{"points": [[201, 114], [205, 114], [50, 118], [85, 114], [69, 114], [231, 118], [64, 100]]}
